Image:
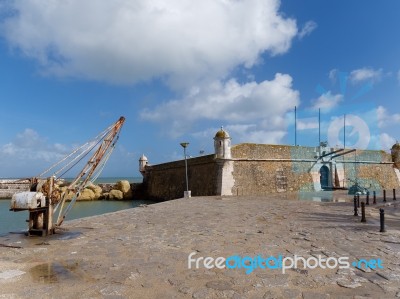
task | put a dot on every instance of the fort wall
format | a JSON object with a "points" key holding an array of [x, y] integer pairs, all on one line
{"points": [[259, 169], [167, 181]]}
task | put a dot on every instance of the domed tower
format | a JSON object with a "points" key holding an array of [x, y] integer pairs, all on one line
{"points": [[143, 161], [395, 151], [222, 144]]}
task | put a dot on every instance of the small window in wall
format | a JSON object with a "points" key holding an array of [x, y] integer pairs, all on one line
{"points": [[280, 180]]}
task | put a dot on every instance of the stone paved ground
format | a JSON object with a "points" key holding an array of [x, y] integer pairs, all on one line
{"points": [[143, 252]]}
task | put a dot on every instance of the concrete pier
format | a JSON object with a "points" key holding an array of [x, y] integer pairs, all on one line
{"points": [[143, 252]]}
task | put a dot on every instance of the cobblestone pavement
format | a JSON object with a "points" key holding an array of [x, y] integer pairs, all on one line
{"points": [[143, 252]]}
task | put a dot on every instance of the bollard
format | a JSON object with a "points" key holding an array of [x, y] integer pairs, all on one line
{"points": [[382, 218], [374, 202], [363, 212], [355, 206], [394, 194], [358, 200], [367, 203], [384, 195]]}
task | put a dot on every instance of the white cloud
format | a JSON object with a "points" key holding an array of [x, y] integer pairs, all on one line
{"points": [[129, 41], [385, 119], [28, 154], [252, 133], [365, 74], [386, 141], [308, 27], [333, 74], [307, 123], [266, 103], [327, 101]]}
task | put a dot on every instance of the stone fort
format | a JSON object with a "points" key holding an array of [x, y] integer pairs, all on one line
{"points": [[259, 169]]}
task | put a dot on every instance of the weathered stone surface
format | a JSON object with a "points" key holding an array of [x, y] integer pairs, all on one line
{"points": [[143, 252], [96, 190], [124, 186], [87, 194], [115, 195]]}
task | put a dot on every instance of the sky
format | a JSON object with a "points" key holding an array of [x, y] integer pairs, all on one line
{"points": [[179, 70]]}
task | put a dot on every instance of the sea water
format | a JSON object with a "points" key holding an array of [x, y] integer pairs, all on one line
{"points": [[16, 221]]}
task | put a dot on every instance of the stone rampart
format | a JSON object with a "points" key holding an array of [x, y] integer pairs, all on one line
{"points": [[167, 181], [259, 169]]}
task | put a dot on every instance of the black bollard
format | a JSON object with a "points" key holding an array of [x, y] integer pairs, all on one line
{"points": [[367, 203], [382, 218], [384, 195], [355, 206], [394, 194], [363, 212], [358, 200], [374, 202]]}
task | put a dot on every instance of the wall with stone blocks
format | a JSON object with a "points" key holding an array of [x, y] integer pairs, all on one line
{"points": [[167, 181], [251, 173], [9, 187]]}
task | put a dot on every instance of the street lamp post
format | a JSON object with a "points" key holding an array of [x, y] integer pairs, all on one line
{"points": [[186, 193]]}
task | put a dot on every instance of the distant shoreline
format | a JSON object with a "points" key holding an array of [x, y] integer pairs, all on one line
{"points": [[101, 180]]}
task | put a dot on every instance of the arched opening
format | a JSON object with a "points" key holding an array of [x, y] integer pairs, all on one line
{"points": [[324, 177]]}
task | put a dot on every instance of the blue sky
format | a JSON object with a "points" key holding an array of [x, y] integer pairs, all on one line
{"points": [[178, 70]]}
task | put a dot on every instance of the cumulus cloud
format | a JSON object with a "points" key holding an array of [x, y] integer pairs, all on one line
{"points": [[327, 101], [28, 153], [386, 141], [308, 27], [365, 74], [386, 119], [307, 123], [127, 41], [232, 102]]}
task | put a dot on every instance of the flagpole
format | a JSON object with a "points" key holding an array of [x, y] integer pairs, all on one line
{"points": [[295, 125]]}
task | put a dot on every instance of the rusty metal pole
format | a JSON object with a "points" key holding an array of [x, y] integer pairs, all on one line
{"points": [[394, 194], [363, 212], [49, 227], [367, 203], [384, 195], [358, 200], [374, 202], [355, 206], [382, 220]]}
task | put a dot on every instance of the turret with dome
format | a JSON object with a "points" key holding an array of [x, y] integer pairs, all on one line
{"points": [[222, 144]]}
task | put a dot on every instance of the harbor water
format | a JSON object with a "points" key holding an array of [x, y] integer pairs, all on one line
{"points": [[16, 221]]}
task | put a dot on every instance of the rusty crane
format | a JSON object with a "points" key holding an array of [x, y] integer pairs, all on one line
{"points": [[46, 201]]}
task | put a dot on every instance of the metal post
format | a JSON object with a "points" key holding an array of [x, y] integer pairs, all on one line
{"points": [[394, 194], [295, 126], [384, 195], [355, 206], [319, 127], [49, 227], [344, 131], [187, 192], [367, 202], [374, 202], [358, 200], [363, 212], [382, 220]]}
